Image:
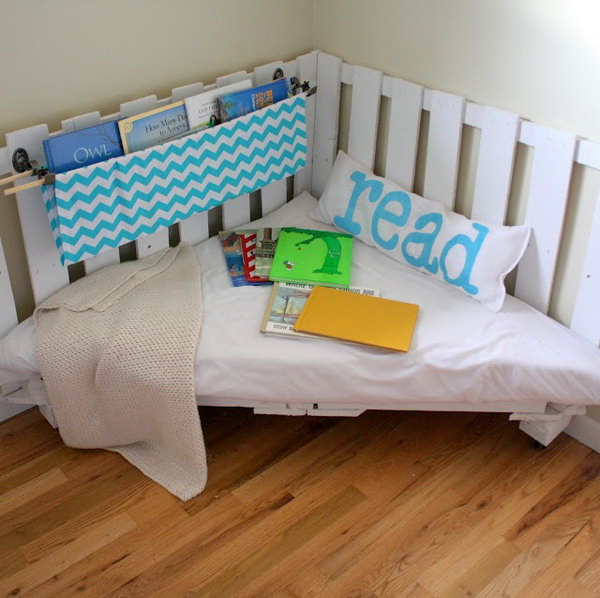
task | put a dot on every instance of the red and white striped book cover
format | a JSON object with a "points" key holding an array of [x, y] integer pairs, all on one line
{"points": [[248, 241]]}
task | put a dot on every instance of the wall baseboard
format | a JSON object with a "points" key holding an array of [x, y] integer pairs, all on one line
{"points": [[586, 430]]}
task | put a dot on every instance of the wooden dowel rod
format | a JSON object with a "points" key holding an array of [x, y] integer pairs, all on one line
{"points": [[15, 177], [31, 185]]}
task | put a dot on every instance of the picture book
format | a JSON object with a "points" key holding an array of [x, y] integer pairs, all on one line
{"points": [[266, 242], [203, 109], [153, 127], [232, 250], [234, 105], [359, 319], [248, 242], [285, 305], [83, 147], [313, 257]]}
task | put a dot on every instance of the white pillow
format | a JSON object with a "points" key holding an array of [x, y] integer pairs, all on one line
{"points": [[472, 256]]}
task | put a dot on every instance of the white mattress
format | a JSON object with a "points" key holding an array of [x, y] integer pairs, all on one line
{"points": [[461, 352]]}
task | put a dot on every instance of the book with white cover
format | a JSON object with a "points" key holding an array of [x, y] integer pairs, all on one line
{"points": [[203, 109]]}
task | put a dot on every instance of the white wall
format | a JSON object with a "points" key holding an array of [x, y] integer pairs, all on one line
{"points": [[538, 58], [61, 58]]}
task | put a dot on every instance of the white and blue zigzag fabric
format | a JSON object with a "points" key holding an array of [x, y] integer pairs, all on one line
{"points": [[104, 205]]}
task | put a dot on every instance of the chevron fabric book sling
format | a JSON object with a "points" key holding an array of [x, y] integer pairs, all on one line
{"points": [[104, 205]]}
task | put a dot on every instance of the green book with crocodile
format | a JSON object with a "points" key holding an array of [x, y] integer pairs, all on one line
{"points": [[314, 257]]}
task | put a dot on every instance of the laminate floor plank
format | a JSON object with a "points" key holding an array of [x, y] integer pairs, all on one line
{"points": [[385, 505]]}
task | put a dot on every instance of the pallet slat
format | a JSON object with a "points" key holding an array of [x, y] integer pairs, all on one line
{"points": [[329, 75], [499, 134], [47, 274], [186, 91], [586, 315], [194, 229], [307, 71], [274, 195], [403, 132], [366, 96], [111, 256], [8, 313], [160, 239], [443, 147], [235, 211], [546, 204]]}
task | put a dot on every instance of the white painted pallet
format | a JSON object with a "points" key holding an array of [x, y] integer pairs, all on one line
{"points": [[8, 319], [403, 132], [554, 154]]}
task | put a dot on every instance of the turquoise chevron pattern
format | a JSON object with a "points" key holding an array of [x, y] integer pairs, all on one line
{"points": [[104, 205]]}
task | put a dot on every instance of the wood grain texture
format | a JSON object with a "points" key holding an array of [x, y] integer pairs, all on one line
{"points": [[404, 504]]}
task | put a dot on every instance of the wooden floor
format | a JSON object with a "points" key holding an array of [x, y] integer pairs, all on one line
{"points": [[387, 504]]}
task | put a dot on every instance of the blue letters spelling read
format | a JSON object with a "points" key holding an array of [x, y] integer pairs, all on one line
{"points": [[425, 240]]}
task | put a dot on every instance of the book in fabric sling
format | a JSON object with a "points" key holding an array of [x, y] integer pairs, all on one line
{"points": [[359, 319], [153, 127], [236, 104], [203, 108], [76, 149], [313, 257]]}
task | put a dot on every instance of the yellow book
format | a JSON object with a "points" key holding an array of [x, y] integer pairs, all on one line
{"points": [[359, 318]]}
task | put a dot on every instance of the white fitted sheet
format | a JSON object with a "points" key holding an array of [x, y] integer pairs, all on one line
{"points": [[461, 352]]}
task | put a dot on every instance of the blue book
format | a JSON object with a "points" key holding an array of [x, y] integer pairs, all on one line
{"points": [[84, 147], [232, 250], [153, 127], [236, 104]]}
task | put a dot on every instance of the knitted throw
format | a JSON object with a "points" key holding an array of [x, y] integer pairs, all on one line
{"points": [[116, 350]]}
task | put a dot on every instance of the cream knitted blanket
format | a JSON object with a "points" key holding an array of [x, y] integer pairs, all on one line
{"points": [[116, 350]]}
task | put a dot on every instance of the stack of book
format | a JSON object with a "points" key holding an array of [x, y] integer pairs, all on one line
{"points": [[97, 143], [311, 297]]}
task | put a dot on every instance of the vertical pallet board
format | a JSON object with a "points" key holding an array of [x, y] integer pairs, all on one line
{"points": [[364, 118], [546, 204], [194, 229], [403, 132], [8, 319], [110, 256], [160, 239], [499, 134], [186, 91], [8, 313], [47, 274], [586, 315], [307, 71], [443, 147], [329, 81], [273, 195], [235, 211]]}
